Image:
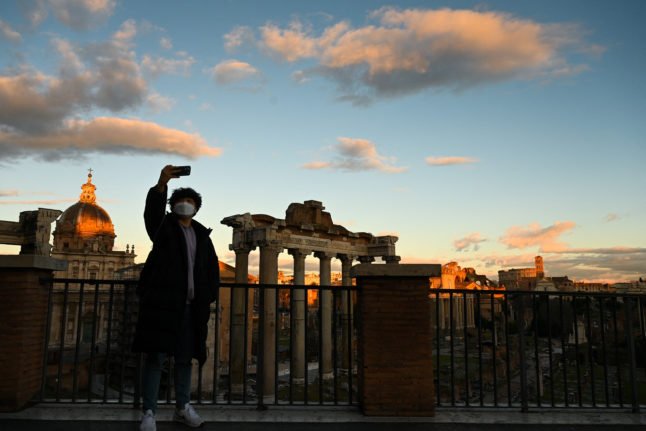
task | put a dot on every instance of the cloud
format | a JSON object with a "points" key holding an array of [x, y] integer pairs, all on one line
{"points": [[106, 135], [173, 66], [603, 265], [238, 37], [407, 51], [159, 103], [471, 240], [447, 161], [126, 32], [37, 202], [289, 44], [318, 165], [165, 43], [535, 235], [234, 71], [76, 14], [5, 192], [205, 106], [9, 33], [612, 217], [354, 155], [47, 116]]}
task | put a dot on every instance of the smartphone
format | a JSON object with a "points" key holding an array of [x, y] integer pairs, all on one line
{"points": [[182, 171]]}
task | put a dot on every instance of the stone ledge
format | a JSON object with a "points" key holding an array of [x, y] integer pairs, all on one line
{"points": [[31, 261], [397, 270]]}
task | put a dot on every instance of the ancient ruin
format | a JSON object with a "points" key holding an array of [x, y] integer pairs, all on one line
{"points": [[306, 230]]}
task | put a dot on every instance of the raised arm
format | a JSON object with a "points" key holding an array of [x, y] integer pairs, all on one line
{"points": [[156, 201]]}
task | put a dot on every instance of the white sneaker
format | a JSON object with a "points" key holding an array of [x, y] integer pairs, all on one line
{"points": [[148, 421], [188, 416]]}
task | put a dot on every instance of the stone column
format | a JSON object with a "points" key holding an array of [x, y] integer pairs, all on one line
{"points": [[238, 308], [269, 252], [298, 320], [346, 312], [325, 361], [395, 339], [24, 294]]}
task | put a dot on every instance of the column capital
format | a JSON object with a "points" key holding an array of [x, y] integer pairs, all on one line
{"points": [[299, 252], [242, 249], [366, 259], [346, 258], [392, 259], [270, 246], [324, 255]]}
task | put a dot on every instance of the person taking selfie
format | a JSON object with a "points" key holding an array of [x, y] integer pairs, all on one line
{"points": [[178, 283]]}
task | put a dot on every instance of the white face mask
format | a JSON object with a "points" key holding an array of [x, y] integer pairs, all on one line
{"points": [[184, 209]]}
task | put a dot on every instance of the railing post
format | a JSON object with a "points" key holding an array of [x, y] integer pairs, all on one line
{"points": [[523, 366], [395, 339], [260, 389], [631, 351]]}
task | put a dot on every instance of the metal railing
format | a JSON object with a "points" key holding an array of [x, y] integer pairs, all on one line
{"points": [[491, 348], [526, 349], [91, 323]]}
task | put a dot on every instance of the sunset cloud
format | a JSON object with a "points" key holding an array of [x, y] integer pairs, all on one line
{"points": [[12, 192], [238, 37], [46, 116], [355, 155], [165, 43], [407, 51], [233, 71], [76, 14], [546, 238], [472, 241], [611, 217], [37, 202], [173, 66], [448, 161], [106, 135], [9, 33]]}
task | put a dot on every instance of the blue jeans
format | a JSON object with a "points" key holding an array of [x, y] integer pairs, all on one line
{"points": [[151, 373]]}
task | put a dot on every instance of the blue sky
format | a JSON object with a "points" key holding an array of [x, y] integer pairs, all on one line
{"points": [[479, 132]]}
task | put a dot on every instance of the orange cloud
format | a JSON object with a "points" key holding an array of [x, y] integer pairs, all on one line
{"points": [[535, 235], [355, 155], [446, 161], [110, 135], [409, 50], [471, 240], [232, 71]]}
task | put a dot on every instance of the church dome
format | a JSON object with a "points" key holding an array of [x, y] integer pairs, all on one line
{"points": [[84, 221]]}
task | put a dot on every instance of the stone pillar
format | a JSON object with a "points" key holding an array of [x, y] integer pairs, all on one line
{"points": [[269, 275], [346, 312], [24, 294], [298, 320], [325, 361], [395, 339], [240, 313]]}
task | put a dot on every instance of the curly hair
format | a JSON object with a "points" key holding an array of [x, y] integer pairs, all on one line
{"points": [[186, 192]]}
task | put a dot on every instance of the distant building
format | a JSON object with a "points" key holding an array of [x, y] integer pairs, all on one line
{"points": [[459, 309], [84, 237], [522, 278]]}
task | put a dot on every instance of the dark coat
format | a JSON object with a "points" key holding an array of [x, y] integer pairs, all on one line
{"points": [[163, 282]]}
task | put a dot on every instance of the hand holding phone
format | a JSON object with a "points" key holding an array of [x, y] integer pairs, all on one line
{"points": [[182, 171]]}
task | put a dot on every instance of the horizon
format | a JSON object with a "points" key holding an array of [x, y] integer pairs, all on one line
{"points": [[479, 133]]}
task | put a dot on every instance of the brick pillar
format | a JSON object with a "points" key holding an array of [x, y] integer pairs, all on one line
{"points": [[395, 360], [23, 320]]}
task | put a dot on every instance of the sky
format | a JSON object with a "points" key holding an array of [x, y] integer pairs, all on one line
{"points": [[484, 133]]}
